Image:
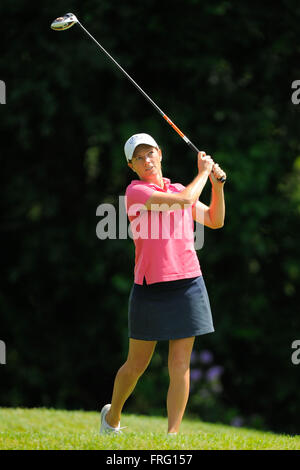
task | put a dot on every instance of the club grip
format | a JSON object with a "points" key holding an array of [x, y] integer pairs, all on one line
{"points": [[193, 147]]}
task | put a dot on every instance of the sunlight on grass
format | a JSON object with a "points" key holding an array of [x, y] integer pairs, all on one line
{"points": [[57, 429]]}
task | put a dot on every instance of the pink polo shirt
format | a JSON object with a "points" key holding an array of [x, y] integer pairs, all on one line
{"points": [[164, 240]]}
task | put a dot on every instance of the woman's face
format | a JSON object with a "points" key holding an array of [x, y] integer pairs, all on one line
{"points": [[146, 162]]}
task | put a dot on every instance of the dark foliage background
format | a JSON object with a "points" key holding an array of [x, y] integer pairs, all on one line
{"points": [[222, 71]]}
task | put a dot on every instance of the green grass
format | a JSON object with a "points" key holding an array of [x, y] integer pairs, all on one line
{"points": [[41, 428]]}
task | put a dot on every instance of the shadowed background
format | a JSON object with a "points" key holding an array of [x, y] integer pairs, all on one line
{"points": [[222, 71]]}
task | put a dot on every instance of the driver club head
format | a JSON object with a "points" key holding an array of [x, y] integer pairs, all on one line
{"points": [[64, 22]]}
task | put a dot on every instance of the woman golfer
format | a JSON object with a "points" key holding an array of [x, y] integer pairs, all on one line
{"points": [[168, 300]]}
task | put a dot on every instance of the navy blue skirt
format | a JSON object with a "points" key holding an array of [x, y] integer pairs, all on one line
{"points": [[169, 310]]}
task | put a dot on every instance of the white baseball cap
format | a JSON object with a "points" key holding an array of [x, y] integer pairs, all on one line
{"points": [[136, 140]]}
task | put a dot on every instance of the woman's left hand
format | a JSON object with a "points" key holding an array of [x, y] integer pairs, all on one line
{"points": [[216, 174]]}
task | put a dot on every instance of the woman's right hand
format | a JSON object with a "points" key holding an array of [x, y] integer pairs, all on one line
{"points": [[205, 163]]}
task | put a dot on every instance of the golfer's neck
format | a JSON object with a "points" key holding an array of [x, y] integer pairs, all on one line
{"points": [[158, 180]]}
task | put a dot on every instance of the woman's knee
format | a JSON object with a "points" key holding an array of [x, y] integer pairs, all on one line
{"points": [[135, 367], [139, 356], [178, 366], [180, 356]]}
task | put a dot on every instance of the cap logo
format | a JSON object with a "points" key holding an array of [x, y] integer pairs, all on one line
{"points": [[131, 140]]}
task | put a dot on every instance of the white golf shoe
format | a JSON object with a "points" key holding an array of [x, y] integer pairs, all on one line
{"points": [[105, 428]]}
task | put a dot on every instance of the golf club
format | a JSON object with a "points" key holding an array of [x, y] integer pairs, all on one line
{"points": [[67, 21]]}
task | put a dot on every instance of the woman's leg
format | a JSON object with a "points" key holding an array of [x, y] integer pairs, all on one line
{"points": [[139, 356], [179, 371]]}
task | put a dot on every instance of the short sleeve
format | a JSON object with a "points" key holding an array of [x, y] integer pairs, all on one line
{"points": [[180, 187], [137, 194]]}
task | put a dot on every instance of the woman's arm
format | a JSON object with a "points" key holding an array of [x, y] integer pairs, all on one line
{"points": [[189, 195], [212, 216]]}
